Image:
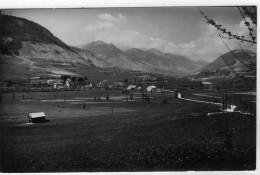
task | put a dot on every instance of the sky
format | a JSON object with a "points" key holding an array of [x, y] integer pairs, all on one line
{"points": [[177, 30]]}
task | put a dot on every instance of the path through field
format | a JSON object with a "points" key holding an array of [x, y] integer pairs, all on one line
{"points": [[199, 101]]}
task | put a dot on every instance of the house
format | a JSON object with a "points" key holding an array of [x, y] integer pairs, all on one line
{"points": [[207, 85], [37, 81], [65, 75], [131, 87], [150, 88]]}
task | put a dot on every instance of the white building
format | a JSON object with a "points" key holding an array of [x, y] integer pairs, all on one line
{"points": [[150, 88]]}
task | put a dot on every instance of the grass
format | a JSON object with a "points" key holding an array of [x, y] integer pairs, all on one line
{"points": [[143, 137]]}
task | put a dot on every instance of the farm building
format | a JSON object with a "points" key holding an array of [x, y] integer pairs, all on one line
{"points": [[150, 88], [37, 81], [131, 87], [66, 75], [76, 79], [207, 85], [37, 117]]}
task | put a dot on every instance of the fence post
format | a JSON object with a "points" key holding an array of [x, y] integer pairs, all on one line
{"points": [[223, 102]]}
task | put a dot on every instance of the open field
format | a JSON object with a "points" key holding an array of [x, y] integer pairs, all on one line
{"points": [[121, 135]]}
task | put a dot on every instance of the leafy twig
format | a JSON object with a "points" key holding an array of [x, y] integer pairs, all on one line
{"points": [[251, 14], [227, 32], [247, 24]]}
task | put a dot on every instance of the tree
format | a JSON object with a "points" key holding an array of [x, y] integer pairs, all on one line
{"points": [[126, 81], [247, 13]]}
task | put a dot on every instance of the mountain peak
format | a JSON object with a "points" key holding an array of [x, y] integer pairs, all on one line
{"points": [[156, 51], [103, 49], [98, 42], [134, 50]]}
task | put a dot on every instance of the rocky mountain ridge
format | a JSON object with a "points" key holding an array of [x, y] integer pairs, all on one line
{"points": [[137, 59]]}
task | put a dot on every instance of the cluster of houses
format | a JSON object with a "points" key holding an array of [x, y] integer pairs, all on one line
{"points": [[63, 79], [55, 80], [59, 81], [139, 89]]}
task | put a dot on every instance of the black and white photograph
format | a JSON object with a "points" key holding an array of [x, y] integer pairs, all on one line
{"points": [[161, 88]]}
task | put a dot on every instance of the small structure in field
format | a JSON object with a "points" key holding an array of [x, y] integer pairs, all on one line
{"points": [[179, 95], [207, 85], [231, 109], [37, 117]]}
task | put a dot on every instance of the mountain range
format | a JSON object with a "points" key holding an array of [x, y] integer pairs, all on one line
{"points": [[137, 59], [33, 44]]}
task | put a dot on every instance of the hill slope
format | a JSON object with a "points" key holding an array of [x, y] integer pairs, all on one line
{"points": [[28, 39], [107, 55], [29, 50], [220, 68]]}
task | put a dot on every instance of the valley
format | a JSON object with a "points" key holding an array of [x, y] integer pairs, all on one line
{"points": [[139, 109]]}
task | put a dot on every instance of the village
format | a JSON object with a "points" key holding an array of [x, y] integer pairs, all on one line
{"points": [[73, 81]]}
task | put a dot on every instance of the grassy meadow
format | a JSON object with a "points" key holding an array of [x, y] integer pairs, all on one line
{"points": [[122, 135]]}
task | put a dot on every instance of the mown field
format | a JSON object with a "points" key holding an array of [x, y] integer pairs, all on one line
{"points": [[121, 135]]}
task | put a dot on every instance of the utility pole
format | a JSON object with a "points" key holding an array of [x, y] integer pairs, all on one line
{"points": [[224, 101]]}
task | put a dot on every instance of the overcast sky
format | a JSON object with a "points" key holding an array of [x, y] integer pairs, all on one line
{"points": [[178, 30]]}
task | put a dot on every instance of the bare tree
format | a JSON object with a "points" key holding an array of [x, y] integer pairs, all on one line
{"points": [[246, 13], [249, 12]]}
